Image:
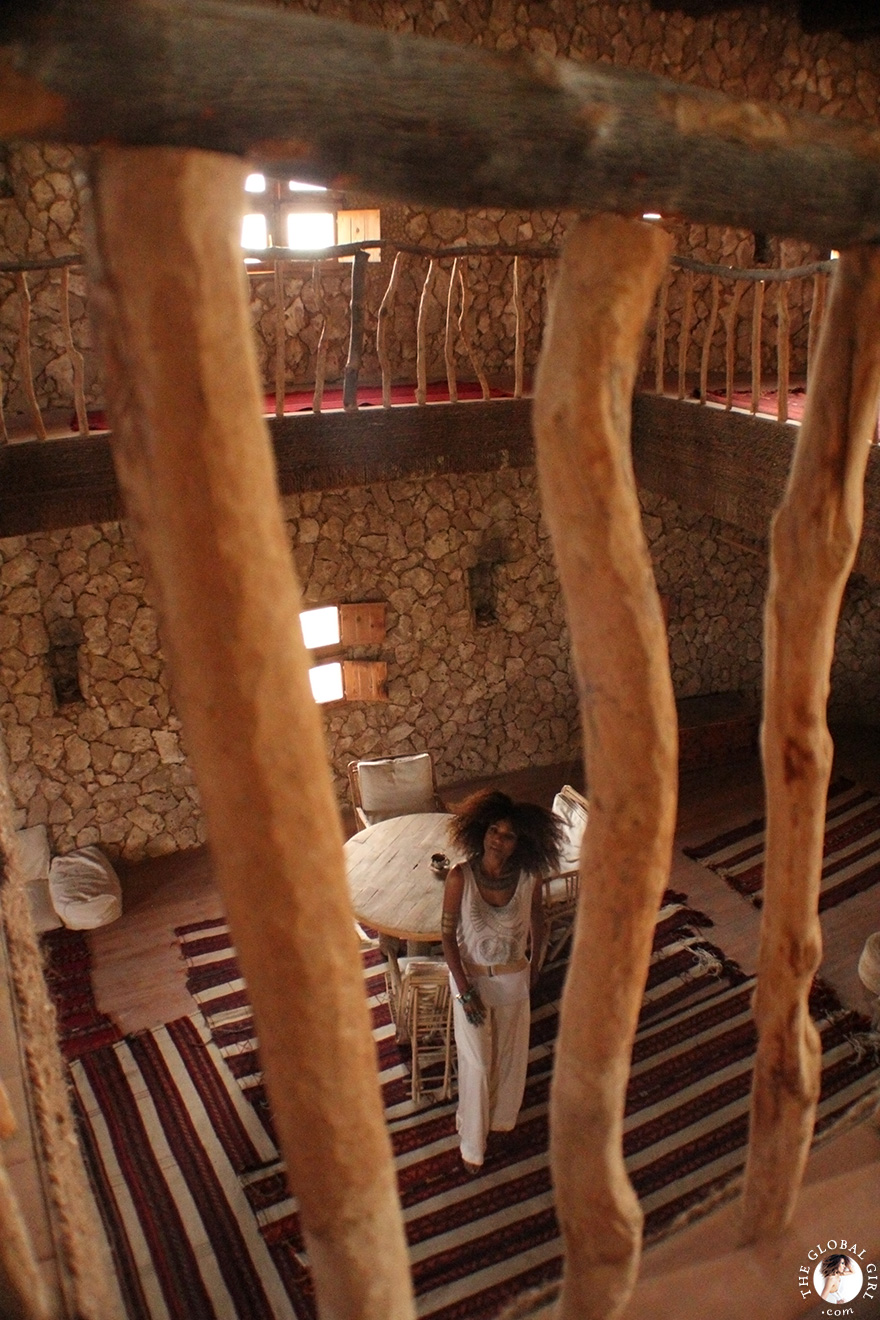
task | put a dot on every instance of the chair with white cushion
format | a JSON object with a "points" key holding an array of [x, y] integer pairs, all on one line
{"points": [[560, 891], [393, 786]]}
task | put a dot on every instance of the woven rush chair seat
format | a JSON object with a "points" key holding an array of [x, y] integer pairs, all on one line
{"points": [[393, 786], [424, 1017]]}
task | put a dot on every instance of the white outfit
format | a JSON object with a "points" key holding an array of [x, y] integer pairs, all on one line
{"points": [[492, 1058]]}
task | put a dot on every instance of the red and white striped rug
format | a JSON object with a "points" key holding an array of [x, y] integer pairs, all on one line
{"points": [[850, 855], [179, 1138]]}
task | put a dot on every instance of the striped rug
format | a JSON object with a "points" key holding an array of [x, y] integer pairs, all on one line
{"points": [[851, 853], [179, 1137]]}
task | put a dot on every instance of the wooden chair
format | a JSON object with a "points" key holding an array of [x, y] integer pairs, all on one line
{"points": [[393, 786], [560, 891], [423, 1014]]}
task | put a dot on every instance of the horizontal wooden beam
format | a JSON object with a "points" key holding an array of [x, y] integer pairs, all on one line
{"points": [[727, 464], [427, 121]]}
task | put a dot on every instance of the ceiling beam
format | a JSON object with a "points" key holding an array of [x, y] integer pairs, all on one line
{"points": [[427, 121]]}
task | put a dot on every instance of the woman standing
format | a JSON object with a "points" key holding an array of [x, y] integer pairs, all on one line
{"points": [[491, 905]]}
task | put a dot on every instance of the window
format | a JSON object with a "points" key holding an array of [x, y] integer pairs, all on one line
{"points": [[329, 628], [302, 216]]}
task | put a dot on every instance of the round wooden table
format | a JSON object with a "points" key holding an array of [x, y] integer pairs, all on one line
{"points": [[392, 886]]}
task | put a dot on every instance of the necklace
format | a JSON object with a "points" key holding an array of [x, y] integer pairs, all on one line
{"points": [[490, 882]]}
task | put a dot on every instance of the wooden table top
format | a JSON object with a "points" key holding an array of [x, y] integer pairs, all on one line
{"points": [[390, 879]]}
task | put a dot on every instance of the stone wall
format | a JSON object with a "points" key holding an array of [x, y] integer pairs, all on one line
{"points": [[755, 52], [108, 764]]}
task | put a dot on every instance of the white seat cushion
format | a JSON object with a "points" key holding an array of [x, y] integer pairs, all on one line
{"points": [[85, 889], [396, 786], [34, 857], [574, 818]]}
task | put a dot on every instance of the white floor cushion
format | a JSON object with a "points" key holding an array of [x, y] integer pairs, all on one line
{"points": [[34, 857], [85, 889]]}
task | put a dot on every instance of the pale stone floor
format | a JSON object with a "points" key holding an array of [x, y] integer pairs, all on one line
{"points": [[139, 980]]}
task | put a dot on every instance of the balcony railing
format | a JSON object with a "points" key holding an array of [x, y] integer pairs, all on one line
{"points": [[471, 317]]}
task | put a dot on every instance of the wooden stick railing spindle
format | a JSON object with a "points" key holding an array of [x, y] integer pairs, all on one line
{"points": [[76, 357], [421, 336], [707, 342], [660, 338], [323, 344], [448, 339], [684, 342], [730, 320], [24, 353], [464, 330], [814, 538], [280, 339], [195, 464], [519, 342], [757, 330], [356, 339], [817, 308], [783, 351], [382, 324], [608, 279]]}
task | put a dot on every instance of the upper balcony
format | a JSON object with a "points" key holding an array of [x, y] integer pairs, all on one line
{"points": [[422, 361]]}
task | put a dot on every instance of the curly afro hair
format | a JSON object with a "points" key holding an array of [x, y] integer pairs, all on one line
{"points": [[538, 831]]}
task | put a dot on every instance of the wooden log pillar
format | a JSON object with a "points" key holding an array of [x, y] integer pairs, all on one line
{"points": [[195, 464], [814, 538], [24, 353], [609, 275]]}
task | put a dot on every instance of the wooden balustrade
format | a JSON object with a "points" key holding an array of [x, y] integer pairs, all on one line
{"points": [[786, 309]]}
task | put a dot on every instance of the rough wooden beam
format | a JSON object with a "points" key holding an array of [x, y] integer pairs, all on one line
{"points": [[813, 545], [609, 273], [730, 465], [195, 464], [446, 125]]}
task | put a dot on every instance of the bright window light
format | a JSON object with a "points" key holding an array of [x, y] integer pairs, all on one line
{"points": [[254, 232], [295, 186], [255, 183], [652, 215], [320, 627], [326, 681], [308, 230], [834, 254]]}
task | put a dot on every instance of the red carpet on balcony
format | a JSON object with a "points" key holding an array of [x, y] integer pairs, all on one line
{"points": [[368, 396], [180, 1145]]}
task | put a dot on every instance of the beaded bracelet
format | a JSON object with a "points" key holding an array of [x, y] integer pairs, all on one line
{"points": [[467, 996]]}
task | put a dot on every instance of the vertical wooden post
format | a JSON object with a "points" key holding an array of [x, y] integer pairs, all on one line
{"points": [[707, 342], [519, 340], [783, 351], [195, 465], [448, 344], [24, 353], [608, 278], [757, 325], [660, 334], [76, 358], [356, 340], [382, 331], [464, 330], [814, 539], [323, 343], [730, 340], [684, 341], [421, 336], [280, 339]]}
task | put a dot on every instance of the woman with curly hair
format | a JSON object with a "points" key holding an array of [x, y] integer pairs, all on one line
{"points": [[491, 905]]}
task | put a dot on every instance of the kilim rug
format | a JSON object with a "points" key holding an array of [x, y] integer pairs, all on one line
{"points": [[851, 853], [179, 1138]]}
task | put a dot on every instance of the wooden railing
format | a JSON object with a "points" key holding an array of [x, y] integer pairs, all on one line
{"points": [[696, 338]]}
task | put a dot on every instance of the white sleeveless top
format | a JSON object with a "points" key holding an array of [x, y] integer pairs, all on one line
{"points": [[488, 934]]}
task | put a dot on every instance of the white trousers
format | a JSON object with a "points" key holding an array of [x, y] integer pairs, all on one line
{"points": [[492, 1061]]}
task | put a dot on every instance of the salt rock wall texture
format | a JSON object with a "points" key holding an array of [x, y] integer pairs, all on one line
{"points": [[751, 52], [110, 767]]}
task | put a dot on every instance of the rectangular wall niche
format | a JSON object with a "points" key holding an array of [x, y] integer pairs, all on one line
{"points": [[65, 639], [483, 593]]}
